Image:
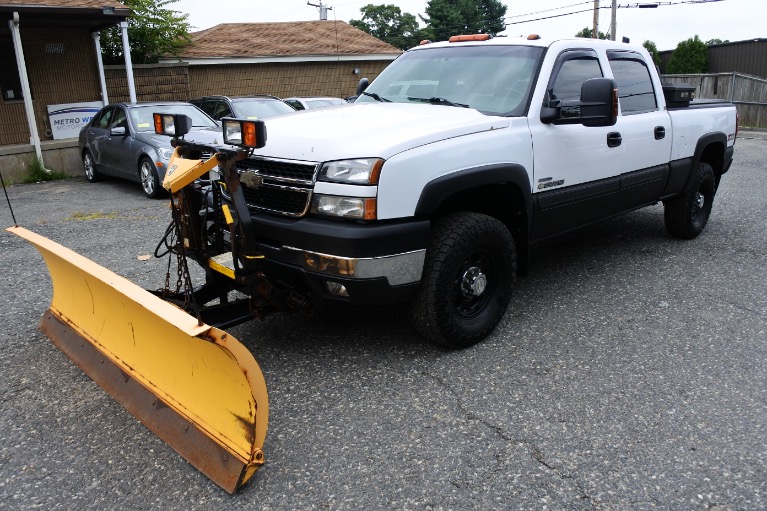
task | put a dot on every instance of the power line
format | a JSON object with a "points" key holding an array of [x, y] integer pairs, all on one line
{"points": [[644, 5]]}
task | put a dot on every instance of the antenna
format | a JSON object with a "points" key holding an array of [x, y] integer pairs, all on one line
{"points": [[323, 9]]}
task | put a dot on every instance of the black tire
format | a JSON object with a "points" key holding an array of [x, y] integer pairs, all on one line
{"points": [[89, 166], [468, 278], [687, 214], [149, 180]]}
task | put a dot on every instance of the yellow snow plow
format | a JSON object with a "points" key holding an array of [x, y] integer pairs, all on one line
{"points": [[162, 354]]}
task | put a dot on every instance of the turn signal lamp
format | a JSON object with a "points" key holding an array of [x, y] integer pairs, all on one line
{"points": [[244, 133]]}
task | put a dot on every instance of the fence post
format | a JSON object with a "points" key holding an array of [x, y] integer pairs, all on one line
{"points": [[732, 87]]}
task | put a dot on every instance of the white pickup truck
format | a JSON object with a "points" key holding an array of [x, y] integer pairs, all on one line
{"points": [[430, 188]]}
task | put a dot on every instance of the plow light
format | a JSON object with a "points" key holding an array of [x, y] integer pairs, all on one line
{"points": [[244, 133], [175, 125]]}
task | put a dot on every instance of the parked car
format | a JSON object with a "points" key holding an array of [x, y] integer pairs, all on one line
{"points": [[244, 107], [120, 141], [308, 103]]}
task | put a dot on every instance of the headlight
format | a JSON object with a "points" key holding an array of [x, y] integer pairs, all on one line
{"points": [[165, 152], [363, 208], [359, 171]]}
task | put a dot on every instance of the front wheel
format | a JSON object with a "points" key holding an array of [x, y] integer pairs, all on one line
{"points": [[686, 215], [149, 180], [469, 274]]}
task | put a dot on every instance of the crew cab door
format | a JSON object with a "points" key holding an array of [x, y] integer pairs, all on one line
{"points": [[645, 130]]}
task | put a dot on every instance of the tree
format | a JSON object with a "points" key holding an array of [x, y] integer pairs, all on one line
{"points": [[653, 51], [690, 56], [445, 18], [389, 24], [153, 31], [711, 42], [589, 33]]}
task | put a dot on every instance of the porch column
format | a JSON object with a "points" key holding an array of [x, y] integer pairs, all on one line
{"points": [[34, 138], [128, 62], [102, 79]]}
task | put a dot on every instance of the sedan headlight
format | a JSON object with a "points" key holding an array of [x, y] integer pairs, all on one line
{"points": [[362, 208], [363, 171], [165, 152]]}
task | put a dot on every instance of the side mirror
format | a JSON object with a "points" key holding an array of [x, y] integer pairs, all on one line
{"points": [[118, 131], [364, 82], [174, 125], [552, 112], [599, 102]]}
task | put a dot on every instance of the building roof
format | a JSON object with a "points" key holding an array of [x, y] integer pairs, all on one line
{"points": [[285, 39], [73, 4], [93, 14]]}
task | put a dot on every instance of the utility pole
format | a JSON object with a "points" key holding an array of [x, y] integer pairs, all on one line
{"points": [[614, 24], [596, 19], [323, 10]]}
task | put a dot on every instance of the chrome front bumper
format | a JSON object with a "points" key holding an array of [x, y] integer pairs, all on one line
{"points": [[398, 269]]}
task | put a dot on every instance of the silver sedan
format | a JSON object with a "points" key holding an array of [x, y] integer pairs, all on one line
{"points": [[120, 141]]}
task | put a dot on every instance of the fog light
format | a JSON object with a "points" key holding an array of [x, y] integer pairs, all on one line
{"points": [[336, 288]]}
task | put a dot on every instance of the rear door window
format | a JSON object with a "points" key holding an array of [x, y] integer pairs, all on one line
{"points": [[635, 90]]}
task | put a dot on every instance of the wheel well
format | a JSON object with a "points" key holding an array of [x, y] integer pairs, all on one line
{"points": [[503, 201], [713, 154]]}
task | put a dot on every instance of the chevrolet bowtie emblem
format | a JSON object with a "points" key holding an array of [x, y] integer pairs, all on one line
{"points": [[251, 179]]}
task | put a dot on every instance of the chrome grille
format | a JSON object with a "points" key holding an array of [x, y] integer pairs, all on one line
{"points": [[284, 186]]}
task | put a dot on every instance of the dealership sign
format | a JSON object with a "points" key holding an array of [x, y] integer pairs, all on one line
{"points": [[67, 120]]}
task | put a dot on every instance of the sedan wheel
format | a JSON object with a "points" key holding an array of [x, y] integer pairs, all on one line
{"points": [[149, 181]]}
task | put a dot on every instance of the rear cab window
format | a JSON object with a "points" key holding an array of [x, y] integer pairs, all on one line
{"points": [[635, 89]]}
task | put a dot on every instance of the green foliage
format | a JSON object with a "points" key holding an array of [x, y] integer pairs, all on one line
{"points": [[389, 24], [589, 33], [36, 173], [153, 31], [445, 18], [653, 51], [716, 41], [690, 56]]}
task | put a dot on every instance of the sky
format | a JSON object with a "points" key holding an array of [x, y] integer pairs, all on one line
{"points": [[667, 25]]}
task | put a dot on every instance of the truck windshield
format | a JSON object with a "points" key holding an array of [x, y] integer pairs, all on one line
{"points": [[496, 80]]}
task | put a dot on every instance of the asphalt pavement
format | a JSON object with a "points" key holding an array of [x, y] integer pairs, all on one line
{"points": [[628, 374]]}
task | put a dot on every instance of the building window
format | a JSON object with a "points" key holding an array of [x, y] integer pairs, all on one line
{"points": [[9, 78]]}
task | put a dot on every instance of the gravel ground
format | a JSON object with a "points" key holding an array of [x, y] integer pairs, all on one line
{"points": [[628, 374]]}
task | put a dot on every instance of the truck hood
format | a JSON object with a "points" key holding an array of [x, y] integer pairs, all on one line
{"points": [[369, 130]]}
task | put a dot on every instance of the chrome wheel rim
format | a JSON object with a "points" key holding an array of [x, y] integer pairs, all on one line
{"points": [[88, 164], [147, 178]]}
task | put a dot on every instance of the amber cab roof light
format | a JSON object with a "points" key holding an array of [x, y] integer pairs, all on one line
{"points": [[533, 37], [469, 37]]}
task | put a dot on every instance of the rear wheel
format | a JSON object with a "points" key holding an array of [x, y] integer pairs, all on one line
{"points": [[469, 274], [687, 214], [149, 180], [91, 174]]}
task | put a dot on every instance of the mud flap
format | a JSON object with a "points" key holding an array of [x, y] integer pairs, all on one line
{"points": [[193, 385]]}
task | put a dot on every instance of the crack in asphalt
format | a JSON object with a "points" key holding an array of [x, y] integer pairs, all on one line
{"points": [[535, 453]]}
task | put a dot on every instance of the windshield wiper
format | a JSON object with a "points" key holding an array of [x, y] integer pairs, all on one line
{"points": [[376, 97], [434, 100]]}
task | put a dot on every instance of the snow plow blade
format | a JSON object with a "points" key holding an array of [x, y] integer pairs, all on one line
{"points": [[193, 385]]}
